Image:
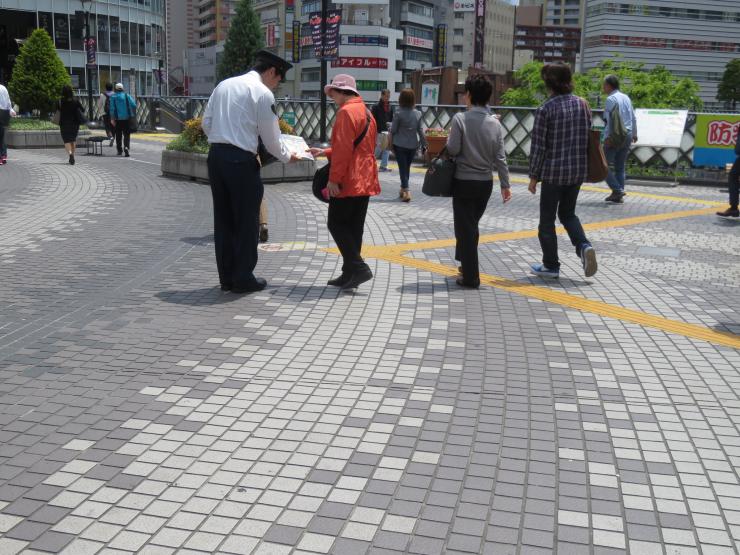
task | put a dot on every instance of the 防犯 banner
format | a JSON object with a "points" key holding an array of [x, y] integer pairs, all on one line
{"points": [[716, 137]]}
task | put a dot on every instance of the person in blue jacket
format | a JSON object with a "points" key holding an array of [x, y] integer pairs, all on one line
{"points": [[733, 182], [122, 107]]}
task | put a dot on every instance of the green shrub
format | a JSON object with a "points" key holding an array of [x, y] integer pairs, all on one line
{"points": [[38, 75], [32, 124], [181, 144]]}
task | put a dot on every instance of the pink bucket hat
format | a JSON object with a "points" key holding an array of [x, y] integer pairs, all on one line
{"points": [[342, 82]]}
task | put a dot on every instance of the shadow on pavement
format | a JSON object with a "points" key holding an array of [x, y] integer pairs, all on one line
{"points": [[205, 240], [198, 297]]}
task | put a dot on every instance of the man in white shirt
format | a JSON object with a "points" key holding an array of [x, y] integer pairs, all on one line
{"points": [[6, 112], [241, 113]]}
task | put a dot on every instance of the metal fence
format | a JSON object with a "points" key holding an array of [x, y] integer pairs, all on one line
{"points": [[517, 123]]}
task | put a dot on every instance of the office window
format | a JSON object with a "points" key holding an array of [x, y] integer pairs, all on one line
{"points": [[77, 30], [457, 48], [459, 15], [61, 31], [103, 41], [115, 35], [142, 39], [459, 32], [125, 46]]}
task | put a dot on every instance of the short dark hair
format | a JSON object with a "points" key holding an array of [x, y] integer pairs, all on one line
{"points": [[613, 81], [109, 86], [261, 66], [407, 98], [67, 93], [479, 88], [558, 77]]}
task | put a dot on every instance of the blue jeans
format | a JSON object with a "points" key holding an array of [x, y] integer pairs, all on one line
{"points": [[384, 156], [617, 160], [404, 157]]}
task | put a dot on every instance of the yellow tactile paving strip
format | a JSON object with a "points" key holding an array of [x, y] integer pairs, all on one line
{"points": [[395, 254]]}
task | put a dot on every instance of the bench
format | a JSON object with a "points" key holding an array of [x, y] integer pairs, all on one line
{"points": [[94, 145]]}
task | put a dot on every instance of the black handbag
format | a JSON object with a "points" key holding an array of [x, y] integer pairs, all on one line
{"points": [[439, 177], [321, 177]]}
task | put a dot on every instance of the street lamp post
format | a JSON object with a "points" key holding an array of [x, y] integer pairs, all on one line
{"points": [[323, 72], [86, 5]]}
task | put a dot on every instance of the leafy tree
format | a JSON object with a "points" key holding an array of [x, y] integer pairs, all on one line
{"points": [[38, 75], [242, 43], [530, 89], [654, 88], [729, 87]]}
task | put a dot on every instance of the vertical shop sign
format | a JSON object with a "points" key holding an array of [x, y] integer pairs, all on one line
{"points": [[314, 20], [440, 46], [296, 41], [480, 23], [331, 47]]}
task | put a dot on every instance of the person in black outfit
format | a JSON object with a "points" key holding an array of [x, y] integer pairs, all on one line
{"points": [[383, 114], [70, 118], [733, 183]]}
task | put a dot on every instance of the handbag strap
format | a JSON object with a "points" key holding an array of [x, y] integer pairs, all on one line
{"points": [[359, 139]]}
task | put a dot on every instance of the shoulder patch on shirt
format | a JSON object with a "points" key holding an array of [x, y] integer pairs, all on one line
{"points": [[272, 107]]}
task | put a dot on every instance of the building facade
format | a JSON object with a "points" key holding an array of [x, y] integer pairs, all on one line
{"points": [[180, 29], [549, 43], [568, 13], [498, 35], [688, 41], [370, 49], [214, 18], [130, 39], [498, 46]]}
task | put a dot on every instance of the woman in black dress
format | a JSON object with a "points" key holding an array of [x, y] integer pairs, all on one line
{"points": [[70, 118]]}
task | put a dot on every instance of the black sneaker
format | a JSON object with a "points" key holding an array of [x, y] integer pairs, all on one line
{"points": [[225, 287], [729, 213], [264, 234], [339, 281], [258, 285], [467, 284], [111, 142], [125, 153], [71, 159], [358, 278], [588, 259], [119, 153]]}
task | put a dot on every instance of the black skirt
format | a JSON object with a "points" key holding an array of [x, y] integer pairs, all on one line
{"points": [[69, 132]]}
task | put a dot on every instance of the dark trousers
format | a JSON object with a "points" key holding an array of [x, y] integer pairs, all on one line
{"points": [[346, 223], [123, 135], [559, 200], [3, 144], [404, 157], [469, 201], [733, 182], [237, 193], [109, 131]]}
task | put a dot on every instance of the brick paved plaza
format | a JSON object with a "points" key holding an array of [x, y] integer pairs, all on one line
{"points": [[146, 411]]}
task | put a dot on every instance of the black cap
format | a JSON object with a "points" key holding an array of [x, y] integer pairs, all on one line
{"points": [[274, 60]]}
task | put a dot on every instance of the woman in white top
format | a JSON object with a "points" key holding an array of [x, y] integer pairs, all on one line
{"points": [[6, 112]]}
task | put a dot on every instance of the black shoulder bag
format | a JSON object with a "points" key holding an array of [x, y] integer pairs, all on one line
{"points": [[321, 177]]}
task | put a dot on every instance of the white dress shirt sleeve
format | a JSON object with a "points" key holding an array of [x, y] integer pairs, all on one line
{"points": [[207, 122], [268, 129]]}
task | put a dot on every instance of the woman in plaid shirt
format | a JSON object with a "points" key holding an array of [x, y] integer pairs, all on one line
{"points": [[559, 159]]}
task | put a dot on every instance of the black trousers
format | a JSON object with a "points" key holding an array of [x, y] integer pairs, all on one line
{"points": [[733, 182], [237, 193], [346, 223], [123, 135], [469, 201], [109, 131], [3, 145], [559, 200]]}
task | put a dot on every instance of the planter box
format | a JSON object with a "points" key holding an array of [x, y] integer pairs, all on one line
{"points": [[16, 138], [189, 165]]}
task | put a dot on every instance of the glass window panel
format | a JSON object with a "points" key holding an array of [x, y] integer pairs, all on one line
{"points": [[77, 30], [115, 35], [134, 37], [125, 47], [103, 40], [46, 22], [142, 39], [61, 31]]}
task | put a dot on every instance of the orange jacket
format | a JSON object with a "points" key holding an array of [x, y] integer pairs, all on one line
{"points": [[352, 168]]}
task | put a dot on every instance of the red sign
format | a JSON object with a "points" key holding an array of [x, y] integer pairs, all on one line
{"points": [[270, 35], [358, 63], [723, 133]]}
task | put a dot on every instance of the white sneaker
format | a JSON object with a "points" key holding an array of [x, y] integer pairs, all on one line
{"points": [[588, 258]]}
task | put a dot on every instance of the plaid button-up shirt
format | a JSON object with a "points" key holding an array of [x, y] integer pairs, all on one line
{"points": [[559, 150]]}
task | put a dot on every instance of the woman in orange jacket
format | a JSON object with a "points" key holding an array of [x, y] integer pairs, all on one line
{"points": [[353, 178]]}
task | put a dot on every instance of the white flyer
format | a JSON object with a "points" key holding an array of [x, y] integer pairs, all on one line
{"points": [[296, 145]]}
